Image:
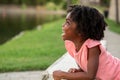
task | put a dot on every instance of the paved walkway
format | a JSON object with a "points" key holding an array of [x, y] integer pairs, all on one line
{"points": [[27, 75], [113, 43], [113, 46]]}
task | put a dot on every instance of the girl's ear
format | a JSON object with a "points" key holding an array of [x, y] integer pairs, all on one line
{"points": [[78, 33]]}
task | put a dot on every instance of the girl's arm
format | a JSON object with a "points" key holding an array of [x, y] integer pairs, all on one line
{"points": [[73, 70], [92, 66]]}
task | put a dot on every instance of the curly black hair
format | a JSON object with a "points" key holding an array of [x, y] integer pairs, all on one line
{"points": [[90, 22]]}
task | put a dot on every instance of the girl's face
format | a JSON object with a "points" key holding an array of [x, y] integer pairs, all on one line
{"points": [[69, 29]]}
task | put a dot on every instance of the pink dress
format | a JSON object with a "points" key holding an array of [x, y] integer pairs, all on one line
{"points": [[109, 66]]}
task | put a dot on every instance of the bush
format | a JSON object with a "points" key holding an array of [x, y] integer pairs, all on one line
{"points": [[51, 6], [23, 6]]}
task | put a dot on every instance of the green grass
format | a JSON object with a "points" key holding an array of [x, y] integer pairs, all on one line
{"points": [[113, 26], [35, 50]]}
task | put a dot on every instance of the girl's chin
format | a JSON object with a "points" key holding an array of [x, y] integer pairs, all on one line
{"points": [[63, 38]]}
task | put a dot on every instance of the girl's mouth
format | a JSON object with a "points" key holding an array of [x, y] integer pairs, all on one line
{"points": [[63, 34]]}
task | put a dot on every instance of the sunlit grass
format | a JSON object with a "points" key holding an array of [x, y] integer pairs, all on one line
{"points": [[34, 50], [113, 26]]}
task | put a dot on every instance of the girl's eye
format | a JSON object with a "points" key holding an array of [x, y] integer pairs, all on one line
{"points": [[67, 23]]}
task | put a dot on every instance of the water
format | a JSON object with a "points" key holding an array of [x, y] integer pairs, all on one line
{"points": [[11, 25]]}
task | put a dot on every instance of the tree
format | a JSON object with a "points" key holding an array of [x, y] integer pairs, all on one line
{"points": [[117, 11]]}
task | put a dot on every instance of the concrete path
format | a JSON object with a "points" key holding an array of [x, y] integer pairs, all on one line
{"points": [[27, 75], [113, 46], [113, 43]]}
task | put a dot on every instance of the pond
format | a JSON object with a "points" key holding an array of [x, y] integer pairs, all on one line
{"points": [[12, 25]]}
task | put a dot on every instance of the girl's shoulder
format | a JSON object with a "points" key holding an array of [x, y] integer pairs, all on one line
{"points": [[92, 43]]}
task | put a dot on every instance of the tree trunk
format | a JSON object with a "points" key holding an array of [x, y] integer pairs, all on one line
{"points": [[117, 11]]}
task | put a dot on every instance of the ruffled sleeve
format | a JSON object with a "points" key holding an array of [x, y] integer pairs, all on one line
{"points": [[92, 43]]}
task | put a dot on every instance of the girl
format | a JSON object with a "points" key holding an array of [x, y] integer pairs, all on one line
{"points": [[82, 31]]}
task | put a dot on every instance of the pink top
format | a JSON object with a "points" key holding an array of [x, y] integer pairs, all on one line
{"points": [[109, 66]]}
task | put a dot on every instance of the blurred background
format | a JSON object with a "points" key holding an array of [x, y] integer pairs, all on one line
{"points": [[30, 30], [19, 15]]}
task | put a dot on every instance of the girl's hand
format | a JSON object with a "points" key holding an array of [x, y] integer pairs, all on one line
{"points": [[57, 75], [73, 70]]}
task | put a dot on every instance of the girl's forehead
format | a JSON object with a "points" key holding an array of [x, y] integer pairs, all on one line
{"points": [[68, 17]]}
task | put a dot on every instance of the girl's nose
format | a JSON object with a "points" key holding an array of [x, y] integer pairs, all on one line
{"points": [[63, 24]]}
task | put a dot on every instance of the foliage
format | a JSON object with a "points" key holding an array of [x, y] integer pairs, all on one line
{"points": [[34, 50], [75, 1], [24, 6], [64, 3], [29, 2], [105, 2], [51, 6]]}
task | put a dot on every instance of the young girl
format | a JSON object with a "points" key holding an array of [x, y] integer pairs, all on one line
{"points": [[82, 31]]}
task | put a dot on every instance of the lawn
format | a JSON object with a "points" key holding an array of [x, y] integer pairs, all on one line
{"points": [[113, 26], [34, 50]]}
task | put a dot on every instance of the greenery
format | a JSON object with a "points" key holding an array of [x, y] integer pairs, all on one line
{"points": [[50, 4], [34, 50], [101, 9], [105, 3], [75, 1], [29, 2], [53, 6], [113, 26], [44, 2]]}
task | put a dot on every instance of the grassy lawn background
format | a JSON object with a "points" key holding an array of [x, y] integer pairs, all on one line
{"points": [[113, 26], [34, 50]]}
